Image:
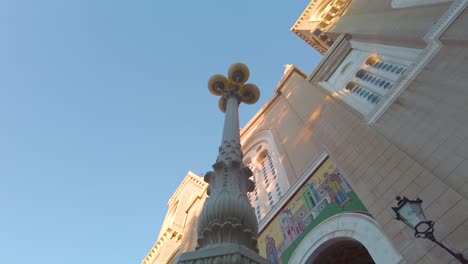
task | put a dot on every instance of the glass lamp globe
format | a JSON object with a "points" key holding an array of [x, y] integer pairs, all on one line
{"points": [[412, 214]]}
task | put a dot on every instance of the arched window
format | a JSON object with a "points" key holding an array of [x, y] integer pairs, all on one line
{"points": [[262, 157], [351, 86], [388, 67], [363, 95], [372, 60], [368, 73], [360, 73], [372, 81]]}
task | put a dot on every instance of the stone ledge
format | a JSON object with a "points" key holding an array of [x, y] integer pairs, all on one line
{"points": [[222, 254]]}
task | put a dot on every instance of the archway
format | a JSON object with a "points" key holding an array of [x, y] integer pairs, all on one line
{"points": [[341, 251], [356, 227]]}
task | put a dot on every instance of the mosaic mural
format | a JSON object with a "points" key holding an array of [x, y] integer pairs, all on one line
{"points": [[324, 194]]}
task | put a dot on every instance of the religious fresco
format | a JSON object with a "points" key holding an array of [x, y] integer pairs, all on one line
{"points": [[324, 194]]}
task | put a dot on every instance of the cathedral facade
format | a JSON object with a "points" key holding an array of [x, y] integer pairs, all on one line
{"points": [[384, 114]]}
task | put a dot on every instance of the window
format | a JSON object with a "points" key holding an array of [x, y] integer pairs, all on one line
{"points": [[372, 70], [373, 80], [268, 172]]}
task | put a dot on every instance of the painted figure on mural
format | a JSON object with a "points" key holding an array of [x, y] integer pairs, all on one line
{"points": [[272, 254], [338, 195]]}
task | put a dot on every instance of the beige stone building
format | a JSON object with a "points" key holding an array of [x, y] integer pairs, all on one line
{"points": [[178, 232], [383, 114]]}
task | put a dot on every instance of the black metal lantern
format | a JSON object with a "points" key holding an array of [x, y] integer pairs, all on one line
{"points": [[412, 214]]}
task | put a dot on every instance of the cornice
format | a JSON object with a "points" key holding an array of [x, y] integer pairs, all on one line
{"points": [[284, 79], [310, 41], [305, 17], [191, 177], [291, 69], [332, 59], [305, 14], [169, 234], [316, 36]]}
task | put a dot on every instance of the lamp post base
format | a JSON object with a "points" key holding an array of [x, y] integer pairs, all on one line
{"points": [[222, 254]]}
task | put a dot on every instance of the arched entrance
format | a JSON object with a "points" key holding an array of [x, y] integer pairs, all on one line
{"points": [[341, 251], [353, 229]]}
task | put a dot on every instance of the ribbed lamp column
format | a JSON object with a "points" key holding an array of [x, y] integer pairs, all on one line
{"points": [[227, 226], [231, 120]]}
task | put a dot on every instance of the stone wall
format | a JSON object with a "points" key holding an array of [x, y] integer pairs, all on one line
{"points": [[377, 21], [419, 146], [289, 128], [306, 120]]}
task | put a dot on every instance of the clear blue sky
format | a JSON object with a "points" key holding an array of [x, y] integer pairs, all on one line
{"points": [[104, 108]]}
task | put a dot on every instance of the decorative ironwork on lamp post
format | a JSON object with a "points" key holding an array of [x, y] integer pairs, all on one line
{"points": [[412, 214], [227, 227]]}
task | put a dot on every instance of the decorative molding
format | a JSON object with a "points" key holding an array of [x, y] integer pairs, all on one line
{"points": [[292, 191], [249, 145], [455, 9], [247, 130], [332, 59], [316, 35], [309, 41], [433, 47], [225, 253], [408, 54], [169, 234], [352, 55], [191, 177], [304, 16], [357, 226]]}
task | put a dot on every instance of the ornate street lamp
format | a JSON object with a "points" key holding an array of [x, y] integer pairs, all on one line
{"points": [[412, 214], [227, 226]]}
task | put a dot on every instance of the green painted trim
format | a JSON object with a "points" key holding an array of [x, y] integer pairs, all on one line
{"points": [[332, 209]]}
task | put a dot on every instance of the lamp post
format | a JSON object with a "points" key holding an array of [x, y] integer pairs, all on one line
{"points": [[412, 214], [227, 227]]}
